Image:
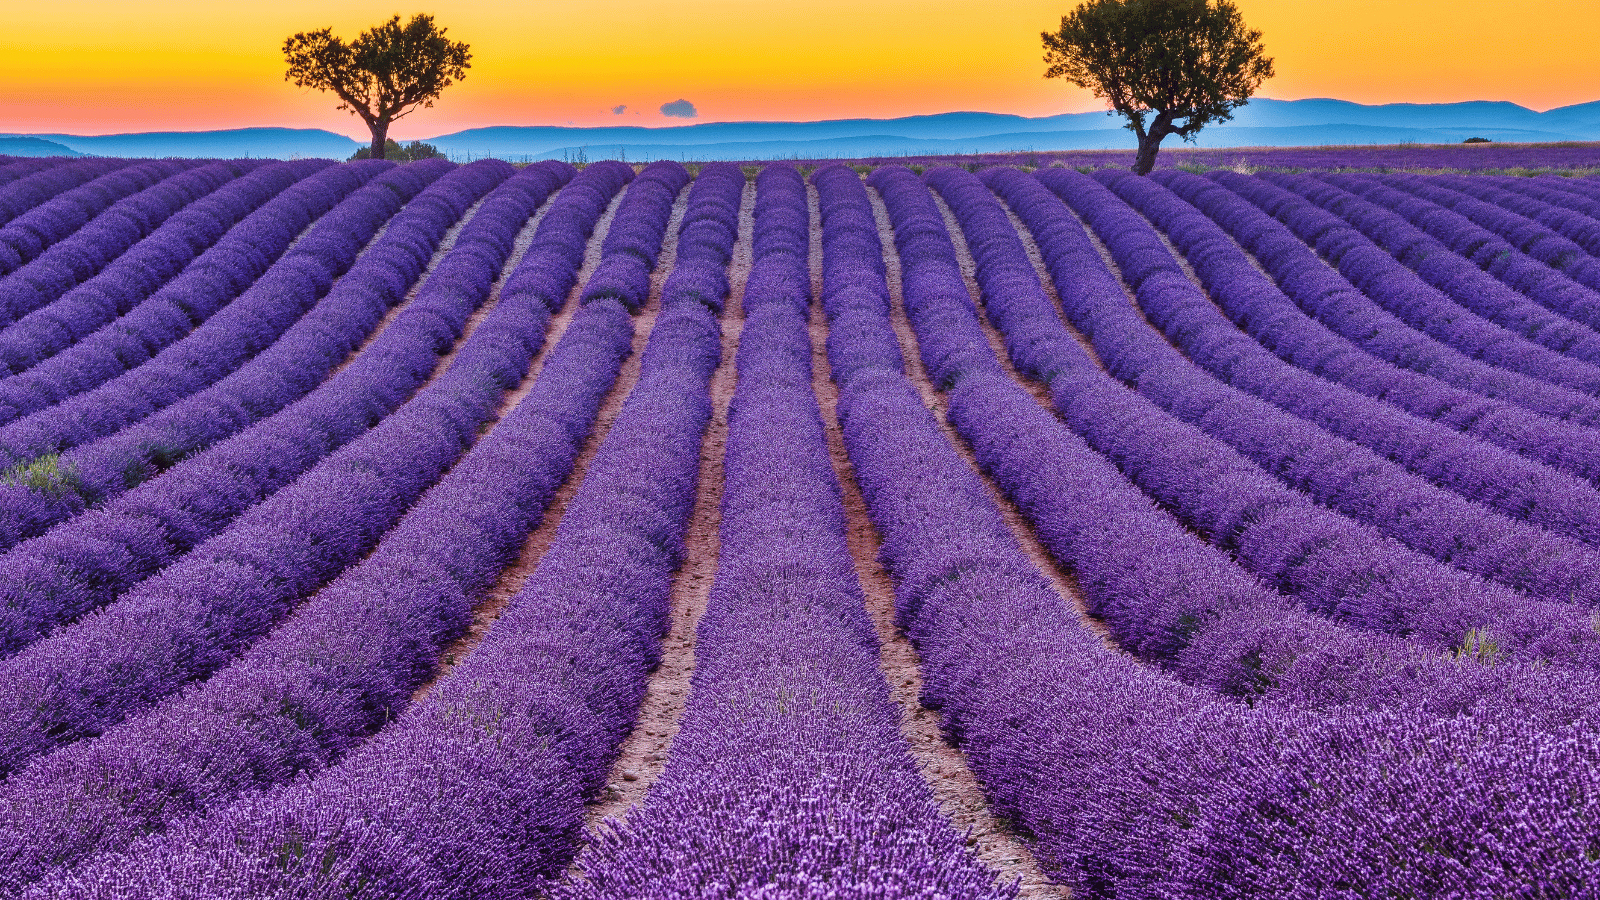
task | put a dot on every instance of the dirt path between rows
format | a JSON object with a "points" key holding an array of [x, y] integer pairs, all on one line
{"points": [[1036, 259], [644, 752], [511, 579], [1111, 266], [1063, 582], [955, 788], [446, 244]]}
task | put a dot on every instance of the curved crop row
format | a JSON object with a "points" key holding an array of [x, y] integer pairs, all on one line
{"points": [[476, 792], [1138, 786], [84, 564], [13, 169], [1326, 294], [1405, 296], [249, 263], [632, 246], [348, 660], [198, 355], [705, 238], [1542, 203], [133, 276], [931, 285]]}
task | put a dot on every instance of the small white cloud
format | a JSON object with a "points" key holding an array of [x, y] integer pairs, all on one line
{"points": [[679, 109], [619, 109]]}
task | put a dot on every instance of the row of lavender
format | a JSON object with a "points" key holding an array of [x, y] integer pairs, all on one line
{"points": [[314, 689], [1271, 800], [377, 672], [789, 775], [1179, 775]]}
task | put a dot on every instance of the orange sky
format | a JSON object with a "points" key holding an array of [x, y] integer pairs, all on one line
{"points": [[101, 66]]}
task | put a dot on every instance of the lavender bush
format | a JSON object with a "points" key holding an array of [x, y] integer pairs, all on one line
{"points": [[789, 776], [477, 791], [133, 276], [632, 245], [237, 264]]}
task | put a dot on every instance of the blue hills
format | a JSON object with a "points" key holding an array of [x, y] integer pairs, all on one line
{"points": [[1261, 123], [33, 146], [233, 143]]}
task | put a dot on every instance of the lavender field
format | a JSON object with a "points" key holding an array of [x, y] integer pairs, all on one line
{"points": [[779, 531], [1569, 158]]}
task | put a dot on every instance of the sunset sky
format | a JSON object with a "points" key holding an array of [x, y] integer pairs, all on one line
{"points": [[105, 66]]}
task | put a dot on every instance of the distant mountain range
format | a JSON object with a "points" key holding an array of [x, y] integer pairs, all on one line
{"points": [[1261, 123], [277, 143], [32, 146]]}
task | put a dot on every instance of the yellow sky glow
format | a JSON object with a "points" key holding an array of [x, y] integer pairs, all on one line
{"points": [[96, 66]]}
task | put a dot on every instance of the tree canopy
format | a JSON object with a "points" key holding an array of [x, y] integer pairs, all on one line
{"points": [[399, 152], [1168, 66], [384, 74]]}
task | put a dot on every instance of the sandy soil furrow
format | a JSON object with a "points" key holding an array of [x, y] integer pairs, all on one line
{"points": [[1111, 264], [955, 788], [510, 581], [1036, 258], [446, 244], [644, 752], [1063, 582]]}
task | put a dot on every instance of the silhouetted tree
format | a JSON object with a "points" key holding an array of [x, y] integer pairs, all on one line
{"points": [[382, 75], [1169, 66], [402, 152]]}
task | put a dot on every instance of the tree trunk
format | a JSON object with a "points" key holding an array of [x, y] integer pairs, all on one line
{"points": [[1149, 143], [380, 137]]}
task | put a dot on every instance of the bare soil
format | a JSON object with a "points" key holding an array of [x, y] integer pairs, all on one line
{"points": [[643, 753], [1031, 248], [511, 579], [1063, 582], [955, 787], [446, 244], [1111, 264]]}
